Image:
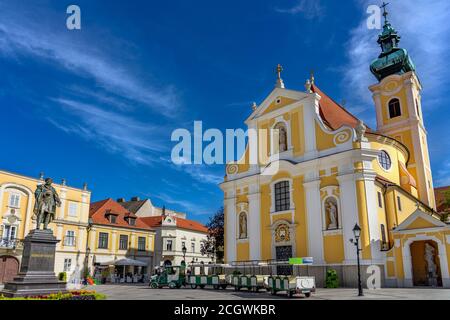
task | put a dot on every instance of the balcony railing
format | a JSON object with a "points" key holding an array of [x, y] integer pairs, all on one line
{"points": [[11, 244]]}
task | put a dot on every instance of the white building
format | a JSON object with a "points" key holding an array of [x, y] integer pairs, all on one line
{"points": [[173, 232]]}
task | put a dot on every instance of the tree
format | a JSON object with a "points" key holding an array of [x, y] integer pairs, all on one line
{"points": [[214, 244], [446, 210]]}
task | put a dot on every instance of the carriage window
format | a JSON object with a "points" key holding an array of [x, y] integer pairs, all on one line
{"points": [[394, 108], [282, 196]]}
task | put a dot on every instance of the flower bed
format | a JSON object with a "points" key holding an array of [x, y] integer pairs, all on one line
{"points": [[72, 295]]}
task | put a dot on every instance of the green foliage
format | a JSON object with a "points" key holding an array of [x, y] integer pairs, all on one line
{"points": [[62, 276], [215, 243], [332, 280]]}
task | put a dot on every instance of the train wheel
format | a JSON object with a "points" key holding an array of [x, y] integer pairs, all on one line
{"points": [[308, 294], [172, 285], [202, 286], [224, 286], [216, 287], [153, 285], [193, 286]]}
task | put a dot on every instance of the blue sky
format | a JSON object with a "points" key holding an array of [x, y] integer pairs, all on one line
{"points": [[99, 105]]}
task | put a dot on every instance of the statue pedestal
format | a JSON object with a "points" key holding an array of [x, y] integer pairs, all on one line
{"points": [[37, 275]]}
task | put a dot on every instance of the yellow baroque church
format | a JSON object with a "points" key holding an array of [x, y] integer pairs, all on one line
{"points": [[320, 171]]}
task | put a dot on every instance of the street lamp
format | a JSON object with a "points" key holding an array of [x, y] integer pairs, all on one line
{"points": [[357, 234], [184, 253]]}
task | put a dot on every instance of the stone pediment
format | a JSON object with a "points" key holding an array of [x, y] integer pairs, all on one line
{"points": [[419, 220]]}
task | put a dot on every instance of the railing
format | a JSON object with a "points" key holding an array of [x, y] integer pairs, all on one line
{"points": [[11, 243]]}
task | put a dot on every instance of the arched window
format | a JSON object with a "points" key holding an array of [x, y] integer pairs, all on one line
{"points": [[332, 215], [280, 129], [282, 196], [394, 108], [242, 225], [384, 160]]}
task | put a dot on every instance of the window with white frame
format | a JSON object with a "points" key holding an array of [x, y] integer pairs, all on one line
{"points": [[9, 232], [73, 209], [67, 264], [282, 196], [193, 247], [69, 239], [169, 245], [14, 200]]}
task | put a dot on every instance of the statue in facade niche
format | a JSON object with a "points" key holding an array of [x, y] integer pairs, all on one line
{"points": [[283, 139], [47, 200], [331, 209], [429, 258], [361, 131], [243, 226]]}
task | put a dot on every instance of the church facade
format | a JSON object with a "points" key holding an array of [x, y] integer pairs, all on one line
{"points": [[320, 170]]}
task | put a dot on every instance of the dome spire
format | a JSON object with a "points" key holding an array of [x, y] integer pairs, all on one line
{"points": [[280, 83], [393, 59]]}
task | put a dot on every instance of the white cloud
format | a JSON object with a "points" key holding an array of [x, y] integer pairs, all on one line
{"points": [[310, 9], [425, 34], [22, 33], [116, 133]]}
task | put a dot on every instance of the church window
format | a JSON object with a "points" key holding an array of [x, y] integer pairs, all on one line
{"points": [[384, 160], [383, 235], [242, 225], [399, 203], [417, 109], [280, 129], [394, 108], [380, 201], [282, 196]]}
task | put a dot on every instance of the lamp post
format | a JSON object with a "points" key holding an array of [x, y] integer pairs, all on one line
{"points": [[184, 253], [357, 234]]}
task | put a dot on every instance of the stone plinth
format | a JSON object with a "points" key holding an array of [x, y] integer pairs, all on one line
{"points": [[37, 275]]}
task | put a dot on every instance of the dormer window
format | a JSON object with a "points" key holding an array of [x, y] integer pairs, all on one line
{"points": [[131, 221], [111, 216]]}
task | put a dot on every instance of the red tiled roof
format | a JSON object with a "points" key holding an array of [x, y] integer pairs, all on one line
{"points": [[181, 223], [440, 198], [334, 114], [98, 210]]}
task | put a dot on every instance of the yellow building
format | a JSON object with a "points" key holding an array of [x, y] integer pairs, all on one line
{"points": [[319, 171], [118, 237], [70, 224]]}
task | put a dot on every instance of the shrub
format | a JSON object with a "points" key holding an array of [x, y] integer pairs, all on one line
{"points": [[72, 295], [62, 276], [332, 280]]}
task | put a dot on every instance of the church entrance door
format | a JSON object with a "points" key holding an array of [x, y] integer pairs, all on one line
{"points": [[283, 253], [425, 263]]}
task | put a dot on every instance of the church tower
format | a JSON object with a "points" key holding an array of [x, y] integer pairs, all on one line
{"points": [[398, 107]]}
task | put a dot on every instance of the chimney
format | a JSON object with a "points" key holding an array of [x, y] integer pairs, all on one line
{"points": [[135, 199], [121, 200]]}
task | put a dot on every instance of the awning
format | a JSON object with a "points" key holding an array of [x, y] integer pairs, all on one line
{"points": [[125, 262]]}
